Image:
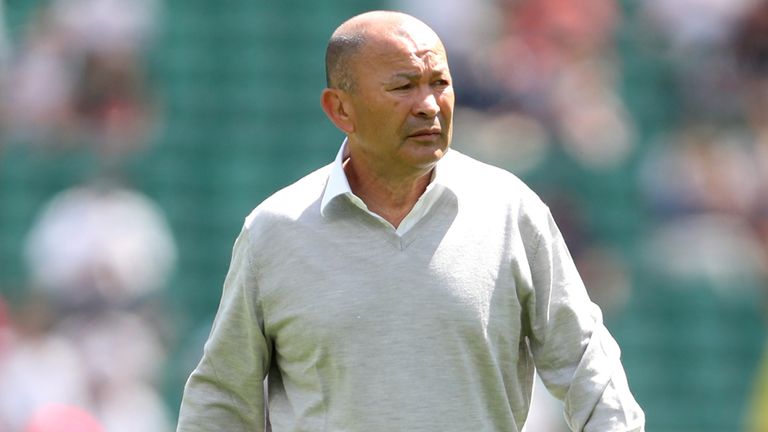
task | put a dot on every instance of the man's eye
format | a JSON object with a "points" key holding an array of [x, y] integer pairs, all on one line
{"points": [[404, 87], [441, 83]]}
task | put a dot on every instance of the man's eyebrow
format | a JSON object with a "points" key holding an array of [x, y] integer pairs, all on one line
{"points": [[407, 75], [416, 74]]}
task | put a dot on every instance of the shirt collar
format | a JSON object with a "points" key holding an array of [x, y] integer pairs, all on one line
{"points": [[338, 184], [337, 180]]}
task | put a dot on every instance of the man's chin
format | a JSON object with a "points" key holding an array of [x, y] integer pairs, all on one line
{"points": [[426, 156]]}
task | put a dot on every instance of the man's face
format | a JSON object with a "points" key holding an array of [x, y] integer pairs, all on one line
{"points": [[402, 101]]}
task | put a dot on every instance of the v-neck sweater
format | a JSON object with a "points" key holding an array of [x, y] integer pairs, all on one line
{"points": [[441, 329]]}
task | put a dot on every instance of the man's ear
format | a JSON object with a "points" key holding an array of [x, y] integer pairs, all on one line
{"points": [[335, 103]]}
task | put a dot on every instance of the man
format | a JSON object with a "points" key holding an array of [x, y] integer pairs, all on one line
{"points": [[404, 287]]}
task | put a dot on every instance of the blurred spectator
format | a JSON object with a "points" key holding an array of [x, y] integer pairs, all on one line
{"points": [[707, 180], [107, 26], [541, 37], [104, 360], [591, 120], [557, 57], [39, 83], [705, 186], [719, 249], [750, 44], [78, 77], [693, 24], [695, 36], [89, 336], [123, 355], [100, 243], [41, 367], [701, 168]]}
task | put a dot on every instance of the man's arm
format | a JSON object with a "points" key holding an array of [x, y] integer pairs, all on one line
{"points": [[225, 392], [577, 358]]}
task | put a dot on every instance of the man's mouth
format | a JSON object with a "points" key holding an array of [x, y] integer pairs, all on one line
{"points": [[426, 133]]}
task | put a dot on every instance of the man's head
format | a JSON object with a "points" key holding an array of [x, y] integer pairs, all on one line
{"points": [[390, 90]]}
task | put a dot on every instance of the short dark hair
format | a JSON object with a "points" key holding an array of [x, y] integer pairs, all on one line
{"points": [[340, 50]]}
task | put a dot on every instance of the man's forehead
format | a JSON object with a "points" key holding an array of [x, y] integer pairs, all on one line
{"points": [[405, 60], [406, 65], [406, 48]]}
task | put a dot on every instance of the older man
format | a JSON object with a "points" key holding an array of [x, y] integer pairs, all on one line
{"points": [[404, 287]]}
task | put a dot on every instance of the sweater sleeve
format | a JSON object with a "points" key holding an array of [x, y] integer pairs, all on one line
{"points": [[225, 392], [575, 355]]}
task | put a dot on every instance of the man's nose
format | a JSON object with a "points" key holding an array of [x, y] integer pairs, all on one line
{"points": [[426, 104]]}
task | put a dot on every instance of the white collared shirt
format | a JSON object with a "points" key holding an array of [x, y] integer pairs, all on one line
{"points": [[338, 184]]}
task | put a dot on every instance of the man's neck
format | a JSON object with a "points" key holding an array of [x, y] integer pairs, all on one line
{"points": [[391, 197]]}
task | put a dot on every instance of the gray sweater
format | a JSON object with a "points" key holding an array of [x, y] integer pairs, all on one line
{"points": [[359, 329]]}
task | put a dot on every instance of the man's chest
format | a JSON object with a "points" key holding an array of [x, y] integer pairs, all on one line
{"points": [[374, 297]]}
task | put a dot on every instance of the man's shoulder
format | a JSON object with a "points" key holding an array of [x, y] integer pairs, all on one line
{"points": [[293, 201], [491, 188]]}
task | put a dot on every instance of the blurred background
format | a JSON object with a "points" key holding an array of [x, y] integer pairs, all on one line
{"points": [[135, 136]]}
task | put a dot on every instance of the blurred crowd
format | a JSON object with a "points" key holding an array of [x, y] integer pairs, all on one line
{"points": [[537, 81], [75, 76], [84, 346]]}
